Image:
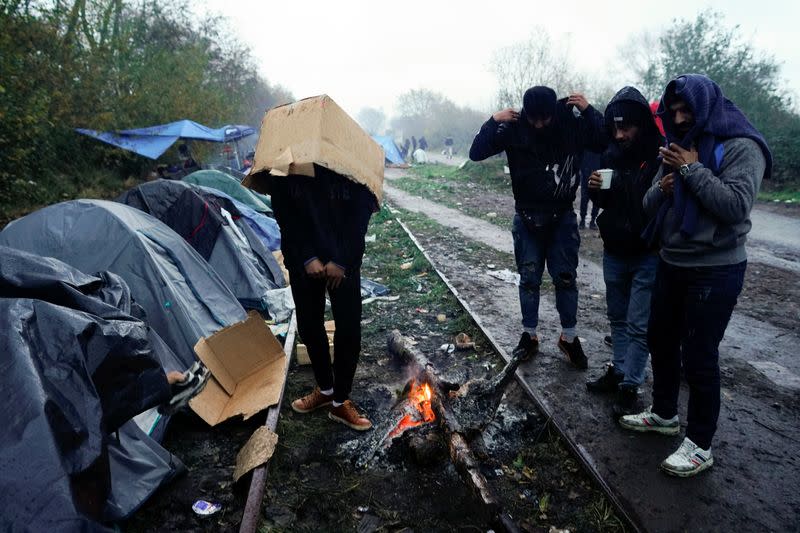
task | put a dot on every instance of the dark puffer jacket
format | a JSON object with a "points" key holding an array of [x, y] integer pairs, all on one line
{"points": [[623, 217], [544, 164]]}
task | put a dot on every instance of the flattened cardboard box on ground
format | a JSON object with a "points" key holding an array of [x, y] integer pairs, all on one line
{"points": [[248, 367], [316, 130]]}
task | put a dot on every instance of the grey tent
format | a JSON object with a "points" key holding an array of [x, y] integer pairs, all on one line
{"points": [[76, 366], [214, 227], [182, 295]]}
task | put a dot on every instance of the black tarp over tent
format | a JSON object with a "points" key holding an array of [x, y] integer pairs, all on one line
{"points": [[183, 297], [76, 366], [214, 227]]}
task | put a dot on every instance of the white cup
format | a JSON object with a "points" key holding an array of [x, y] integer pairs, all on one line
{"points": [[606, 174]]}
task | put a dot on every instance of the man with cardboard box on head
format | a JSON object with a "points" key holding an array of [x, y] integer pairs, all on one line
{"points": [[325, 178]]}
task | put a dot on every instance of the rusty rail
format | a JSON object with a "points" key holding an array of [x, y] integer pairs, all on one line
{"points": [[255, 495], [577, 450]]}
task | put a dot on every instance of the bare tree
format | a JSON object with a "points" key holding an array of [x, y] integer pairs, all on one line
{"points": [[418, 102], [638, 56], [371, 119], [538, 60]]}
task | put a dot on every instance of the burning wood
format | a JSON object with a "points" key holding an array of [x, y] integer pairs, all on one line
{"points": [[485, 395], [417, 408]]}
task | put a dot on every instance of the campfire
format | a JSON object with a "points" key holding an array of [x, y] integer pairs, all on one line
{"points": [[417, 409]]}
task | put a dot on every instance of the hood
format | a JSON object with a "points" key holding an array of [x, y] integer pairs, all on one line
{"points": [[649, 139]]}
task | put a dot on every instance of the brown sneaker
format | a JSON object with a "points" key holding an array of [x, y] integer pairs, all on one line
{"points": [[312, 401], [348, 415]]}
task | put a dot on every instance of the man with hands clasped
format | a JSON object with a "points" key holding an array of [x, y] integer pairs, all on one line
{"points": [[323, 221], [700, 199]]}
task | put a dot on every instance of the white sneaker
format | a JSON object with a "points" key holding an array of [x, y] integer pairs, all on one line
{"points": [[651, 422], [688, 460]]}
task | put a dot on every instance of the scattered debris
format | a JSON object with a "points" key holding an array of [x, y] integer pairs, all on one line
{"points": [[406, 266], [505, 275], [441, 317], [380, 299], [491, 214], [204, 508], [448, 348], [371, 288], [464, 342], [257, 451], [370, 238]]}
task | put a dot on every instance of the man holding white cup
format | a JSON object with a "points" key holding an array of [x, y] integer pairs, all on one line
{"points": [[629, 264]]}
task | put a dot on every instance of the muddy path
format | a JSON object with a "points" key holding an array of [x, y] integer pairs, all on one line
{"points": [[756, 477]]}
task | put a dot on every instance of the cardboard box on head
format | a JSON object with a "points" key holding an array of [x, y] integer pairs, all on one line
{"points": [[294, 137]]}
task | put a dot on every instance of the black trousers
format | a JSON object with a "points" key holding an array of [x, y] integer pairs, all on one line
{"points": [[309, 301], [689, 313]]}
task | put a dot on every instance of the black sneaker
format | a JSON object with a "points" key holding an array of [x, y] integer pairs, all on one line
{"points": [[527, 347], [608, 342], [606, 383], [582, 224], [592, 224], [194, 382], [574, 352], [627, 401]]}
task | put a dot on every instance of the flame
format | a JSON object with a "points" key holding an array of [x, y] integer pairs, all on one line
{"points": [[419, 398]]}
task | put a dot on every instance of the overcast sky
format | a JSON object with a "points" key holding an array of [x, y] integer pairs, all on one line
{"points": [[366, 53]]}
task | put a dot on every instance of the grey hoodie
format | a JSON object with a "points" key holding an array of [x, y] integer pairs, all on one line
{"points": [[724, 202]]}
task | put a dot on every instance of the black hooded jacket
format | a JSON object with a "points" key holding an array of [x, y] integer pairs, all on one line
{"points": [[623, 218], [544, 164]]}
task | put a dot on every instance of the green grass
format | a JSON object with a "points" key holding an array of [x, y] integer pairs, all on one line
{"points": [[789, 195]]}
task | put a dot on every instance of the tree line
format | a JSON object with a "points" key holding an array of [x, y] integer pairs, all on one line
{"points": [[106, 65], [703, 45]]}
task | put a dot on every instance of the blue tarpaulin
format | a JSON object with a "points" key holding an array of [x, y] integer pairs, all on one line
{"points": [[390, 149], [153, 141]]}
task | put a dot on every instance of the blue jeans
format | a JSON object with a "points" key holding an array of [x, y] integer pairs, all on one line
{"points": [[690, 312], [629, 285], [556, 245]]}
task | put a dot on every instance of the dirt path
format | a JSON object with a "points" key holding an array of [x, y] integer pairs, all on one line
{"points": [[757, 475]]}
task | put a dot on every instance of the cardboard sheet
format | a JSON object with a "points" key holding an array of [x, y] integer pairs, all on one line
{"points": [[257, 451], [316, 130], [248, 367]]}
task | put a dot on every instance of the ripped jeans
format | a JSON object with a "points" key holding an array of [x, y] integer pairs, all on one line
{"points": [[555, 244]]}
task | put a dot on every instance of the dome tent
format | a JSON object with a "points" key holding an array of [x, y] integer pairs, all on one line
{"points": [[214, 227], [183, 297]]}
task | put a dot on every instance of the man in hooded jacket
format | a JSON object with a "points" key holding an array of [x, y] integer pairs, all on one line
{"points": [[629, 263], [701, 199], [544, 144]]}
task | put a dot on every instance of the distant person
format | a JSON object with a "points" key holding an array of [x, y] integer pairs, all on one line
{"points": [[700, 199], [323, 221], [189, 164], [407, 149], [629, 262], [448, 146], [413, 144], [544, 143], [591, 162], [420, 156], [423, 144]]}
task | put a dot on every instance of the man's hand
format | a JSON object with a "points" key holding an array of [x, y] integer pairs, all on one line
{"points": [[667, 183], [335, 275], [506, 115], [675, 156], [595, 180], [315, 269], [579, 101]]}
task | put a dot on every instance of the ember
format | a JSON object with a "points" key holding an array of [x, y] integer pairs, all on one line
{"points": [[419, 409]]}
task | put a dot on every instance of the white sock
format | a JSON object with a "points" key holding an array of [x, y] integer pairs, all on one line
{"points": [[327, 392], [337, 404]]}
